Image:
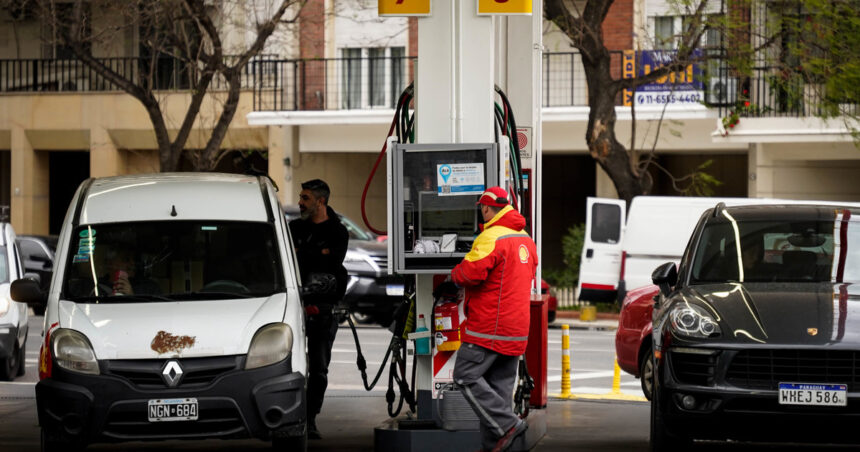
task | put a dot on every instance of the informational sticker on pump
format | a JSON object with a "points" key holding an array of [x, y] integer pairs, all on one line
{"points": [[457, 179]]}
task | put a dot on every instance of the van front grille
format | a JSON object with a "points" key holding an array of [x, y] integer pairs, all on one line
{"points": [[196, 372]]}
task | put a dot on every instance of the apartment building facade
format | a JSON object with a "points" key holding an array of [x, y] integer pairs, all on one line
{"points": [[320, 102]]}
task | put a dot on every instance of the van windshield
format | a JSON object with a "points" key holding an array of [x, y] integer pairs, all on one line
{"points": [[172, 260]]}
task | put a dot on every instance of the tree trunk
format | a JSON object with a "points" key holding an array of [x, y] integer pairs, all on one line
{"points": [[603, 145]]}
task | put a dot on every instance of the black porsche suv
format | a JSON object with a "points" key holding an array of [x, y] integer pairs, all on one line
{"points": [[756, 333]]}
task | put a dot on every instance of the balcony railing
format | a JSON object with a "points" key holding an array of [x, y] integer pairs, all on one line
{"points": [[376, 82], [72, 75], [331, 83], [774, 92]]}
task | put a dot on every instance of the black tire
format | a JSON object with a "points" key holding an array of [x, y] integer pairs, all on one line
{"points": [[550, 316], [661, 438], [291, 443], [9, 365], [646, 373], [39, 310], [22, 360]]}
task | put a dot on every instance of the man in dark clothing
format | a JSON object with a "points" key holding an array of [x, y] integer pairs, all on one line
{"points": [[321, 242]]}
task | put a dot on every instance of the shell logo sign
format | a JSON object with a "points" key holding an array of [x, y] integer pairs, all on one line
{"points": [[505, 7], [404, 7]]}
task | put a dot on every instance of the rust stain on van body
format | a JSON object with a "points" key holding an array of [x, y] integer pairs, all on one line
{"points": [[164, 342]]}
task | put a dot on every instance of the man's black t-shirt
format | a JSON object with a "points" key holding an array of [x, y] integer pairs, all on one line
{"points": [[321, 248]]}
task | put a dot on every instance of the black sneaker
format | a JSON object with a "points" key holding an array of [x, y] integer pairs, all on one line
{"points": [[508, 438], [313, 431]]}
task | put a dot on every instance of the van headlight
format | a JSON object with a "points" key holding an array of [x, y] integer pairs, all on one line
{"points": [[72, 351], [271, 344], [693, 321]]}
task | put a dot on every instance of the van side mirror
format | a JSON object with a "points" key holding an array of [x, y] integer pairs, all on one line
{"points": [[665, 277], [26, 290]]}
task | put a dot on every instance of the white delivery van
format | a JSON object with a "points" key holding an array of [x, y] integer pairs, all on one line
{"points": [[173, 313], [619, 255], [13, 314]]}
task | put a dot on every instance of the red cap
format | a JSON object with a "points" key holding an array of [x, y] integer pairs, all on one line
{"points": [[494, 196]]}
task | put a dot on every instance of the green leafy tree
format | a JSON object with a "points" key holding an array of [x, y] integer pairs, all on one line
{"points": [[807, 50], [571, 249]]}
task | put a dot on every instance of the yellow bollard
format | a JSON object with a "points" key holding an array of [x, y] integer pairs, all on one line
{"points": [[616, 380], [565, 361]]}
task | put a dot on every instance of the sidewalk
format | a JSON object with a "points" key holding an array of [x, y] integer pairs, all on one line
{"points": [[604, 321]]}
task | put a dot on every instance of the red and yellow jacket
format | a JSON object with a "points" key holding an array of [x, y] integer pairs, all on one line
{"points": [[498, 274]]}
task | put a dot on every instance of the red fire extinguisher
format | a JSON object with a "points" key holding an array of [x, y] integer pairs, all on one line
{"points": [[446, 320]]}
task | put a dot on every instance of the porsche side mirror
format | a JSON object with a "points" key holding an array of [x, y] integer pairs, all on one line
{"points": [[665, 277]]}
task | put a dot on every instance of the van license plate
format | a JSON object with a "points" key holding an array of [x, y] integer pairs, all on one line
{"points": [[813, 394], [394, 290], [163, 410]]}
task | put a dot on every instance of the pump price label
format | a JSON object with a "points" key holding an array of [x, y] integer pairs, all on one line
{"points": [[458, 179]]}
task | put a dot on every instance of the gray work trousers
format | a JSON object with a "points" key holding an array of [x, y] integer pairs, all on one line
{"points": [[487, 379]]}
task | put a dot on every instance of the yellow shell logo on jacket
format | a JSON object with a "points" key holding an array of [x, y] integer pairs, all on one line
{"points": [[524, 254]]}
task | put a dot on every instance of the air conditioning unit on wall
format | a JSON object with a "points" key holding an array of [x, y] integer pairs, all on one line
{"points": [[722, 90]]}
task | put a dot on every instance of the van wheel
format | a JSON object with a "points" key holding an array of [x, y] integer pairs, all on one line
{"points": [[550, 317], [291, 443], [39, 310], [22, 360], [9, 366]]}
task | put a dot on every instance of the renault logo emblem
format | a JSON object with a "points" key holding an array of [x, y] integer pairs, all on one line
{"points": [[172, 373], [812, 331]]}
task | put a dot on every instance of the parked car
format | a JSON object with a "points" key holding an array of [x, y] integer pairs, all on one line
{"points": [[174, 313], [622, 247], [755, 333], [372, 294], [633, 336], [37, 256], [13, 315]]}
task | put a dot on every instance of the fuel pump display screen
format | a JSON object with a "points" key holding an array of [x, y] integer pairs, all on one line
{"points": [[434, 191]]}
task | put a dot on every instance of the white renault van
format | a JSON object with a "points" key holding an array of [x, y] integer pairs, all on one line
{"points": [[173, 313]]}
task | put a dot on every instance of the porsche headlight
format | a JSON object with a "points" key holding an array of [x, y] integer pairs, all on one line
{"points": [[271, 344], [693, 321], [72, 351]]}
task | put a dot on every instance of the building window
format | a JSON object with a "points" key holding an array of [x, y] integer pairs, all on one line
{"points": [[351, 78], [380, 88], [664, 32]]}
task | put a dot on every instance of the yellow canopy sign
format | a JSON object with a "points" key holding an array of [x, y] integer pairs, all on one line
{"points": [[404, 7], [505, 7]]}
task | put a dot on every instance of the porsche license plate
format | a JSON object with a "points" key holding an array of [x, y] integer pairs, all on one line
{"points": [[813, 394], [163, 410]]}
